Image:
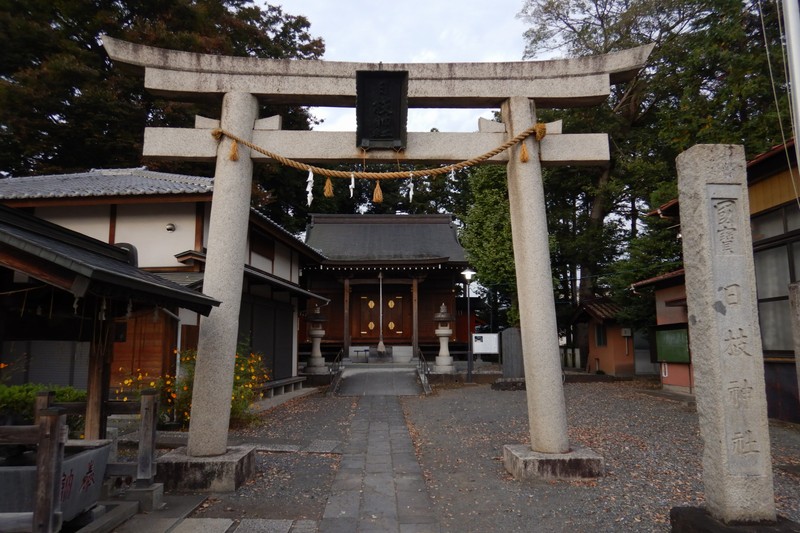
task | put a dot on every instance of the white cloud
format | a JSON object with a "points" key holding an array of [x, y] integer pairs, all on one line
{"points": [[414, 31]]}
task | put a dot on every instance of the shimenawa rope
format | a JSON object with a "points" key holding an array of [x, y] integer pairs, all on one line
{"points": [[539, 130]]}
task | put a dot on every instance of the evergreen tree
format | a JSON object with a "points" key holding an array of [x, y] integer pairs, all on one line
{"points": [[707, 80], [63, 105]]}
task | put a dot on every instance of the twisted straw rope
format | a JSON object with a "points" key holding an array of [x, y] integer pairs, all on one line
{"points": [[539, 130]]}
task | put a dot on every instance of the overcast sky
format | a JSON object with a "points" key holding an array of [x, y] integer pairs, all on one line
{"points": [[413, 31]]}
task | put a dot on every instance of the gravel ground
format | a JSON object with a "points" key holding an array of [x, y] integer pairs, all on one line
{"points": [[288, 486], [651, 446]]}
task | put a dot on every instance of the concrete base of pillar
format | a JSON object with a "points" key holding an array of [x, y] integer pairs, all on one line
{"points": [[221, 473], [444, 369], [525, 464], [150, 498], [316, 370], [698, 520]]}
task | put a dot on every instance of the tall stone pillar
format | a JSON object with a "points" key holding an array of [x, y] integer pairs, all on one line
{"points": [[227, 246], [546, 408], [724, 336]]}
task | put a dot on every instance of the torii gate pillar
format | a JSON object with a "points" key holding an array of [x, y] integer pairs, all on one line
{"points": [[549, 454], [227, 246], [546, 409]]}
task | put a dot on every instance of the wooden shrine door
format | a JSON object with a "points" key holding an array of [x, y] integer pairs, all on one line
{"points": [[366, 320]]}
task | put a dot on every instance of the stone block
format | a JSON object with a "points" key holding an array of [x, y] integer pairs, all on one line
{"points": [[221, 473], [525, 464], [511, 344], [149, 498], [204, 525], [402, 354], [698, 520]]}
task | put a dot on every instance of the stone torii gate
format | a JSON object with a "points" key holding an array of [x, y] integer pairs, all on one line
{"points": [[518, 88]]}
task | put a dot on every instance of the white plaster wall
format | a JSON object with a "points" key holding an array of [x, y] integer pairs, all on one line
{"points": [[295, 267], [91, 220], [188, 318], [260, 262], [282, 266], [144, 226], [206, 223], [296, 327]]}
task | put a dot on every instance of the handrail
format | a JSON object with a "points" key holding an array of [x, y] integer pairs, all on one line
{"points": [[422, 364], [336, 365], [423, 369], [336, 373]]}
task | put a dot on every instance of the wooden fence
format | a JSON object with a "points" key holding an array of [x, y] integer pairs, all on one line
{"points": [[49, 433]]}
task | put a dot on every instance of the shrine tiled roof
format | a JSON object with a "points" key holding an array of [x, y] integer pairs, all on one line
{"points": [[91, 265], [385, 238], [97, 185], [601, 309], [103, 182]]}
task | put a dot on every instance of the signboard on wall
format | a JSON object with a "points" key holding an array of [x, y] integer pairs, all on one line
{"points": [[672, 345], [485, 343]]}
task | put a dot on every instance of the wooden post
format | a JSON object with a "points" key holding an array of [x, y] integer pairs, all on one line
{"points": [[94, 398], [49, 457], [145, 472], [44, 399], [414, 316], [346, 326]]}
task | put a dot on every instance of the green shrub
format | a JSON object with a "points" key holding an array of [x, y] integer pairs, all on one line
{"points": [[18, 403]]}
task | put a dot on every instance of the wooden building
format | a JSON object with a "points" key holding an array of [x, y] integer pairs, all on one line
{"points": [[386, 276], [163, 220], [671, 333], [611, 348], [62, 294]]}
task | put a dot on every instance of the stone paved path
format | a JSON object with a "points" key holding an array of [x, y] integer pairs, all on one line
{"points": [[379, 485], [376, 380]]}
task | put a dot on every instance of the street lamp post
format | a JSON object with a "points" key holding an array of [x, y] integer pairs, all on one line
{"points": [[468, 273]]}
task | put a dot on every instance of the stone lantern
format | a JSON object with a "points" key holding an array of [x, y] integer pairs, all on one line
{"points": [[316, 323], [444, 362]]}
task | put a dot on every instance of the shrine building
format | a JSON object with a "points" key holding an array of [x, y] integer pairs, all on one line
{"points": [[386, 277]]}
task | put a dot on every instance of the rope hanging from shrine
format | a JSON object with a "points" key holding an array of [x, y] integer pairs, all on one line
{"points": [[538, 130]]}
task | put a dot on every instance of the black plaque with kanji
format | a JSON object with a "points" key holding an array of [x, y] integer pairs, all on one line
{"points": [[381, 109]]}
